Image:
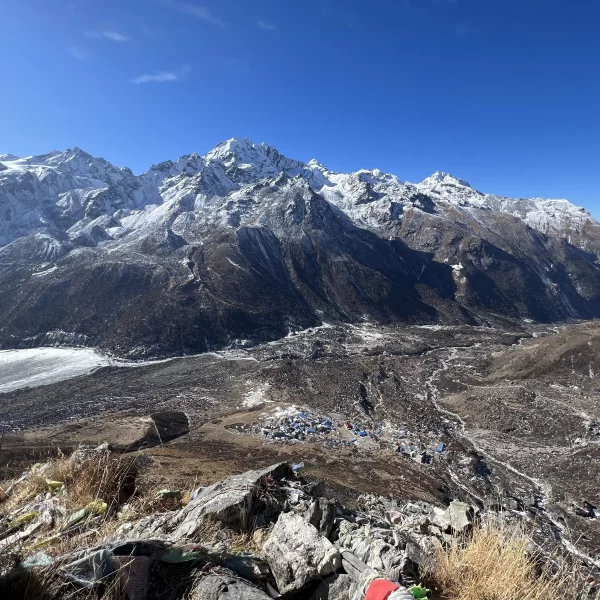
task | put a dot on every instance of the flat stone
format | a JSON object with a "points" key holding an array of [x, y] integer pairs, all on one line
{"points": [[321, 514], [231, 501], [461, 516]]}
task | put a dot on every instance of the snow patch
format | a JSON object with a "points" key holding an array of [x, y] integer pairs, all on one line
{"points": [[282, 412], [41, 273], [256, 396], [33, 367]]}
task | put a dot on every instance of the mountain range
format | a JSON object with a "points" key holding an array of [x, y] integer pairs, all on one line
{"points": [[244, 245]]}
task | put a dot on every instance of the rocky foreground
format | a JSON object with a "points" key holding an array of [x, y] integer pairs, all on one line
{"points": [[264, 533]]}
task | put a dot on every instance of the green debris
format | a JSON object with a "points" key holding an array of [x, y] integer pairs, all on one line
{"points": [[45, 542], [23, 519], [181, 555], [96, 507], [54, 485], [164, 494], [418, 592]]}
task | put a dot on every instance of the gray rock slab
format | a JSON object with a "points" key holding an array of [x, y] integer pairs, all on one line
{"points": [[297, 553]]}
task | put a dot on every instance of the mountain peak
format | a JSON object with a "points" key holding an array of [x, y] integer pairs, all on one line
{"points": [[74, 153], [79, 161], [247, 162], [231, 146], [440, 177], [313, 163]]}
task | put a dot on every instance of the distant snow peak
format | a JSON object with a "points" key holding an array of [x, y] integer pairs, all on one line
{"points": [[231, 146], [72, 155], [440, 177], [72, 191]]}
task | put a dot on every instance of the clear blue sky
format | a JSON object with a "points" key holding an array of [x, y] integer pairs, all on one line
{"points": [[504, 93]]}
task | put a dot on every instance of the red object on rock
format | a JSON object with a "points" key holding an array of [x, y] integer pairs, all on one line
{"points": [[380, 589]]}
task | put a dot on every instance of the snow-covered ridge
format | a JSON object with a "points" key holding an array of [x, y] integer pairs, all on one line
{"points": [[558, 217], [91, 201]]}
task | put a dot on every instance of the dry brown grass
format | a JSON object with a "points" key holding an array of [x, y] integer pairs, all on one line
{"points": [[212, 531], [105, 476], [496, 563], [111, 478], [44, 584]]}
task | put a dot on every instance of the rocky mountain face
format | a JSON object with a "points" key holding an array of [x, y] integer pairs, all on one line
{"points": [[245, 245]]}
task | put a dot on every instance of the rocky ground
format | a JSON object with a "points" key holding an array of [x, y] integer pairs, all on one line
{"points": [[85, 527], [515, 409]]}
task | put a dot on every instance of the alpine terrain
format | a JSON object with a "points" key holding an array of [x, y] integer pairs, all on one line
{"points": [[244, 245], [242, 376]]}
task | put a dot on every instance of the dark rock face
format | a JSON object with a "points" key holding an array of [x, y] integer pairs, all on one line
{"points": [[244, 245]]}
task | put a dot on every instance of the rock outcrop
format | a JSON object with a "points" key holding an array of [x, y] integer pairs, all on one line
{"points": [[177, 554], [297, 553]]}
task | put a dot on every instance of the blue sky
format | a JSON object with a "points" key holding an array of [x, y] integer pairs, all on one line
{"points": [[503, 93]]}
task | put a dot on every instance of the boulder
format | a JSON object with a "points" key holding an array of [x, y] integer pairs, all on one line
{"points": [[461, 516], [374, 552], [246, 566], [321, 514], [440, 518], [225, 587], [297, 553], [125, 433], [231, 501], [334, 587], [458, 517], [168, 425], [422, 553]]}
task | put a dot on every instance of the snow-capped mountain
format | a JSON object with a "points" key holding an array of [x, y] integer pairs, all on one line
{"points": [[245, 244], [558, 217]]}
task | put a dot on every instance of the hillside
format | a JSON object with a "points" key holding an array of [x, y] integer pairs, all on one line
{"points": [[244, 245]]}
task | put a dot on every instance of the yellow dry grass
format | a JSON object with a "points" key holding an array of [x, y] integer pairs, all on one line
{"points": [[496, 563], [43, 584], [106, 476], [211, 531]]}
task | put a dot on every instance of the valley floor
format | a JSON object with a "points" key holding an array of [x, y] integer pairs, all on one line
{"points": [[516, 412]]}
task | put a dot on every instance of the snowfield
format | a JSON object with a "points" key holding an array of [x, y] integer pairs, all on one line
{"points": [[40, 366]]}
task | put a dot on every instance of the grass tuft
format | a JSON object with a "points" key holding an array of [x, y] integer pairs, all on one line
{"points": [[496, 563], [103, 476]]}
